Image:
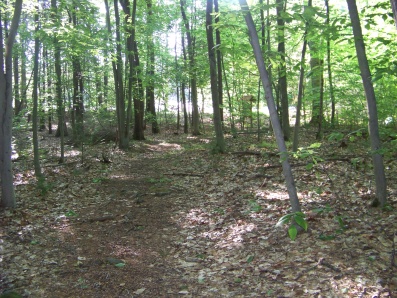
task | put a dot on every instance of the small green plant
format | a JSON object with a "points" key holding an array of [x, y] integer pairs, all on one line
{"points": [[294, 219], [336, 136], [254, 206], [43, 186], [219, 211], [309, 153]]}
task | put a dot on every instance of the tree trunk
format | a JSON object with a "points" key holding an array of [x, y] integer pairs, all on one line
{"points": [[282, 80], [61, 130], [300, 95], [36, 157], [219, 61], [150, 100], [220, 142], [192, 71], [6, 175], [377, 158], [293, 196], [330, 81]]}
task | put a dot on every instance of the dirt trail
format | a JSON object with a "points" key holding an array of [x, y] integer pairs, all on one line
{"points": [[172, 220]]}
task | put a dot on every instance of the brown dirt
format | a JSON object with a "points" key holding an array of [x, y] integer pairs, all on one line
{"points": [[169, 220]]}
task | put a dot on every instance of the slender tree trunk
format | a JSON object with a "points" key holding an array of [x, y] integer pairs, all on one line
{"points": [[293, 196], [220, 142], [17, 100], [219, 61], [150, 100], [377, 158], [183, 92], [61, 130], [330, 80], [36, 158], [300, 95], [192, 66], [282, 80], [6, 175]]}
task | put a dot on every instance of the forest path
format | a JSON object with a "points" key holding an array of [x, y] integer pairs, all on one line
{"points": [[169, 219]]}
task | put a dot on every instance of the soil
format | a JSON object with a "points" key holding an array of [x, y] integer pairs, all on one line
{"points": [[169, 219]]}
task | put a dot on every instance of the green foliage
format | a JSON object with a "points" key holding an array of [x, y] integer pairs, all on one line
{"points": [[310, 154], [43, 186], [254, 206], [295, 219]]}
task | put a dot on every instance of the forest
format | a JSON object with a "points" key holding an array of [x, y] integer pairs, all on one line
{"points": [[158, 148]]}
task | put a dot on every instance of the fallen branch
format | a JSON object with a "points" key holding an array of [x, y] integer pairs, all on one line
{"points": [[185, 174]]}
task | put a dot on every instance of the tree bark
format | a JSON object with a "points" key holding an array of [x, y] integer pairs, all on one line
{"points": [[293, 196], [220, 141], [282, 80], [373, 126], [61, 130], [36, 157], [192, 71], [150, 99], [6, 175]]}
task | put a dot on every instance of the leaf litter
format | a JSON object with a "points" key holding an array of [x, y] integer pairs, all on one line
{"points": [[168, 219]]}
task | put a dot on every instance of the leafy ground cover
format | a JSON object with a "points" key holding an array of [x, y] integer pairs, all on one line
{"points": [[169, 219]]}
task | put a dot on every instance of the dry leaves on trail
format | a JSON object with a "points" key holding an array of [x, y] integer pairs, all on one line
{"points": [[168, 219]]}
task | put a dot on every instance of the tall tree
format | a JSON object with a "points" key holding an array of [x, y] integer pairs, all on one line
{"points": [[316, 65], [220, 142], [330, 76], [300, 87], [192, 69], [61, 130], [6, 175], [219, 59], [373, 126], [37, 168], [266, 84], [282, 77], [78, 84], [150, 99]]}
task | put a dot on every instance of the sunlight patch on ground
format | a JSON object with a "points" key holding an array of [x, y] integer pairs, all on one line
{"points": [[164, 146], [72, 153], [232, 237], [271, 195]]}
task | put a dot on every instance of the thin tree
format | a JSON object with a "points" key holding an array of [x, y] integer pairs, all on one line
{"points": [[330, 80], [192, 70], [150, 98], [61, 130], [373, 126], [37, 168], [220, 141], [266, 84], [282, 78], [219, 60], [300, 90], [6, 175]]}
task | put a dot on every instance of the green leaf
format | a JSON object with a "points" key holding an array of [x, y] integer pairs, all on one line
{"points": [[292, 232], [326, 237], [301, 221], [250, 259], [283, 220], [119, 265], [70, 213], [309, 166]]}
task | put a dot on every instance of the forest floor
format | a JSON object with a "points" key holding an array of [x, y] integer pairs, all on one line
{"points": [[169, 219]]}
